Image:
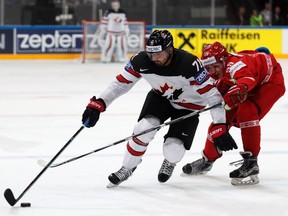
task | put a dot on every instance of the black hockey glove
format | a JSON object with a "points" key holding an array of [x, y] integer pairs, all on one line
{"points": [[221, 137], [92, 113]]}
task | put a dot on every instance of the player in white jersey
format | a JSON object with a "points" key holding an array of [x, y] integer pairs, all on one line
{"points": [[114, 28], [180, 85]]}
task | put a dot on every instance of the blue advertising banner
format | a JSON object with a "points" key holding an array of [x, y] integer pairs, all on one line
{"points": [[48, 40], [6, 41]]}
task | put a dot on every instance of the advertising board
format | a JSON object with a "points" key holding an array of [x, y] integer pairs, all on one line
{"points": [[194, 39], [45, 40], [66, 41], [6, 40]]}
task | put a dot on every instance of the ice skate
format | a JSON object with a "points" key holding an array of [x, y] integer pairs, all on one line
{"points": [[247, 174], [118, 177], [198, 167], [165, 171]]}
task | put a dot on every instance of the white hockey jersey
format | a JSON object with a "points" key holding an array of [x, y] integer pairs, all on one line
{"points": [[185, 83], [114, 22]]}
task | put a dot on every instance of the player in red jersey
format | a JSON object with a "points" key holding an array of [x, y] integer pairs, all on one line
{"points": [[250, 82]]}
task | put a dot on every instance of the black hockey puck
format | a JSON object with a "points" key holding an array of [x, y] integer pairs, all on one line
{"points": [[25, 204]]}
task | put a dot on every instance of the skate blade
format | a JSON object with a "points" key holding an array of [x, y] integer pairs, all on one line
{"points": [[250, 180], [198, 174]]}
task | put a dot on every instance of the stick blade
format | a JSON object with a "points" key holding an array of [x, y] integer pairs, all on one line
{"points": [[111, 185], [8, 194]]}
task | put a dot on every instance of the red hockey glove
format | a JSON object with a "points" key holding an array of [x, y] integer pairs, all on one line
{"points": [[224, 84], [235, 95], [92, 112], [221, 137]]}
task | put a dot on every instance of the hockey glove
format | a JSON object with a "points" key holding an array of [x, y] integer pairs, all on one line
{"points": [[235, 95], [92, 113], [221, 137], [224, 84]]}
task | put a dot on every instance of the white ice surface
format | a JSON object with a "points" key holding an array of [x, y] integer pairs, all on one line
{"points": [[41, 103]]}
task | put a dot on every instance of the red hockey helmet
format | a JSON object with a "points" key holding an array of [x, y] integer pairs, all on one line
{"points": [[213, 53]]}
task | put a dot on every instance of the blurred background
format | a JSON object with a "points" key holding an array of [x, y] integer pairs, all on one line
{"points": [[153, 12], [54, 29]]}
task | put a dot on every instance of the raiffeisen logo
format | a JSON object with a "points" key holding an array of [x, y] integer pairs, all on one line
{"points": [[57, 42]]}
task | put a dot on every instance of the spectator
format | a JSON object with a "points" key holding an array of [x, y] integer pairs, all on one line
{"points": [[266, 14], [277, 17], [255, 19], [242, 17]]}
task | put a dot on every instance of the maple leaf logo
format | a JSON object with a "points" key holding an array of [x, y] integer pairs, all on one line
{"points": [[170, 92], [177, 93], [165, 88]]}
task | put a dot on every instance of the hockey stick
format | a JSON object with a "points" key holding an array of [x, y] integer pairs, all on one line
{"points": [[45, 164], [8, 194]]}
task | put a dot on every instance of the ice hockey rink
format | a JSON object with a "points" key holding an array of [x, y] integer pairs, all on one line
{"points": [[41, 103]]}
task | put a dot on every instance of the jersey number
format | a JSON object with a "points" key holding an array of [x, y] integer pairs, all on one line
{"points": [[198, 64]]}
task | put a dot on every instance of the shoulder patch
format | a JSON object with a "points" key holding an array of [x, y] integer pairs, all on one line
{"points": [[201, 76], [128, 66]]}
